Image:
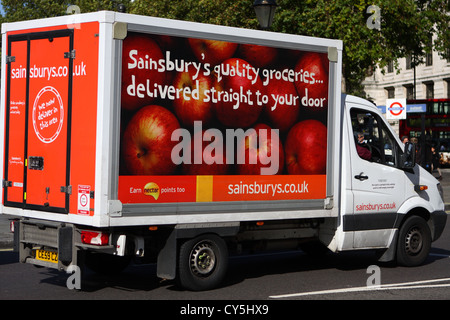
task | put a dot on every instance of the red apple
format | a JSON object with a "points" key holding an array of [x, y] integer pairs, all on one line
{"points": [[147, 144], [312, 85], [284, 104], [211, 153], [258, 56], [137, 74], [306, 148], [260, 148], [244, 112], [212, 51], [191, 105]]}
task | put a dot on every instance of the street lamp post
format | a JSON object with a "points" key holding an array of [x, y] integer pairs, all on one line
{"points": [[265, 11]]}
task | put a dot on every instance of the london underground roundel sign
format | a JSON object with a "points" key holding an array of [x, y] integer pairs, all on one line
{"points": [[395, 109]]}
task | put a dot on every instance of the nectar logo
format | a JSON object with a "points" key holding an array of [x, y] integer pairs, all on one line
{"points": [[152, 189]]}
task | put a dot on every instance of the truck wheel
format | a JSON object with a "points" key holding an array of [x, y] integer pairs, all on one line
{"points": [[414, 242], [202, 262]]}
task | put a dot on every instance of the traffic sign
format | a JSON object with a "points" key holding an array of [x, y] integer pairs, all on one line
{"points": [[395, 109]]}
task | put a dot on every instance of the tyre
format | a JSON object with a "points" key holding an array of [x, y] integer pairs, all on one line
{"points": [[414, 242], [202, 262]]}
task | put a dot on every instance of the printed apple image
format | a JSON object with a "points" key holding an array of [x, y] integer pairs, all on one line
{"points": [[284, 104], [209, 150], [312, 86], [191, 105], [263, 152], [241, 112], [146, 143], [212, 51], [306, 148], [137, 75], [258, 56]]}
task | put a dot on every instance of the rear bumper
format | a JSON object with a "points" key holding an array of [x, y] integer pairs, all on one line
{"points": [[30, 235]]}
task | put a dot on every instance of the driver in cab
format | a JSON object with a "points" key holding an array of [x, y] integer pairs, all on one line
{"points": [[362, 148]]}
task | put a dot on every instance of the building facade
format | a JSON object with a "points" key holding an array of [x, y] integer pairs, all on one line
{"points": [[427, 81], [430, 79]]}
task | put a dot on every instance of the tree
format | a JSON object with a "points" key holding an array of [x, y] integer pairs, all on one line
{"points": [[237, 13], [35, 9], [406, 26]]}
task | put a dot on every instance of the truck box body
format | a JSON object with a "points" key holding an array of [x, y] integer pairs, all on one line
{"points": [[118, 122], [76, 122]]}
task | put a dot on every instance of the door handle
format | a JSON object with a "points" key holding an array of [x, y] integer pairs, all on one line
{"points": [[361, 176]]}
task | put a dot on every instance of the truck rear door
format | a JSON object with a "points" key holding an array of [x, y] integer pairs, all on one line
{"points": [[37, 150]]}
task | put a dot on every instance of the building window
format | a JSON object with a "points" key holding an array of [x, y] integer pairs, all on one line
{"points": [[429, 59], [429, 55], [409, 91], [390, 92], [409, 65], [390, 67], [447, 83], [429, 86]]}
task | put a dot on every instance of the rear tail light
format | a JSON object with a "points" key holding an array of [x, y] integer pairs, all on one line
{"points": [[96, 238]]}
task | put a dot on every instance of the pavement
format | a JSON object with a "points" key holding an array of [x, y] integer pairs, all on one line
{"points": [[6, 237]]}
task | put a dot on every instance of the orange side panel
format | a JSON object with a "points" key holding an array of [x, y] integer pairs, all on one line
{"points": [[61, 118], [84, 118]]}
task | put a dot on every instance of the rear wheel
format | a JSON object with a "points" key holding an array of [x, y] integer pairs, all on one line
{"points": [[414, 242], [202, 262]]}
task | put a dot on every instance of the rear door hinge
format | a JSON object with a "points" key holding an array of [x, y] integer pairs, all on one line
{"points": [[70, 55], [10, 59], [66, 189], [7, 183]]}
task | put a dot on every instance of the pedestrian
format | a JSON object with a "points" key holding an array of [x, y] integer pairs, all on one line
{"points": [[425, 142], [405, 139], [418, 154], [435, 162]]}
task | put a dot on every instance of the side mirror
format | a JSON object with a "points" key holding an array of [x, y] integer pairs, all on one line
{"points": [[408, 158]]}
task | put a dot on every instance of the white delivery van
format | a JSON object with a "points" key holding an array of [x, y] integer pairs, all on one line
{"points": [[130, 137]]}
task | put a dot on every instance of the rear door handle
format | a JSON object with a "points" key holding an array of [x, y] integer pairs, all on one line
{"points": [[361, 176]]}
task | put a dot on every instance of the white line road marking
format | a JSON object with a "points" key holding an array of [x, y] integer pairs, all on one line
{"points": [[393, 286]]}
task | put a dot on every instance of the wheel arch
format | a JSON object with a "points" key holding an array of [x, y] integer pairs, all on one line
{"points": [[167, 260]]}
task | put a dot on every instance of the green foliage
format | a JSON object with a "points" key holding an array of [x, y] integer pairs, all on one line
{"points": [[406, 25], [17, 10]]}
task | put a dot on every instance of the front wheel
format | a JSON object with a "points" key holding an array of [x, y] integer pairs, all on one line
{"points": [[414, 242], [202, 262]]}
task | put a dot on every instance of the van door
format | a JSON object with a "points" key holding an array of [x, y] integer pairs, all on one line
{"points": [[37, 138], [377, 185]]}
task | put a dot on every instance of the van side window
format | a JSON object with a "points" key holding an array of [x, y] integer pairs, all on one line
{"points": [[373, 139]]}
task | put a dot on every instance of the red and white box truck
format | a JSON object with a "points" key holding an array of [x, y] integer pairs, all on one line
{"points": [[180, 143]]}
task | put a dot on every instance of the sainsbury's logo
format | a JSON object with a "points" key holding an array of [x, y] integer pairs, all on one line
{"points": [[376, 206]]}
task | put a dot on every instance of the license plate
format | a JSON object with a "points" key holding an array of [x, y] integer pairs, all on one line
{"points": [[48, 256]]}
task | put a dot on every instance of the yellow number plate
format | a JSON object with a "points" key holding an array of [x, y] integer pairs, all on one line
{"points": [[48, 256]]}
